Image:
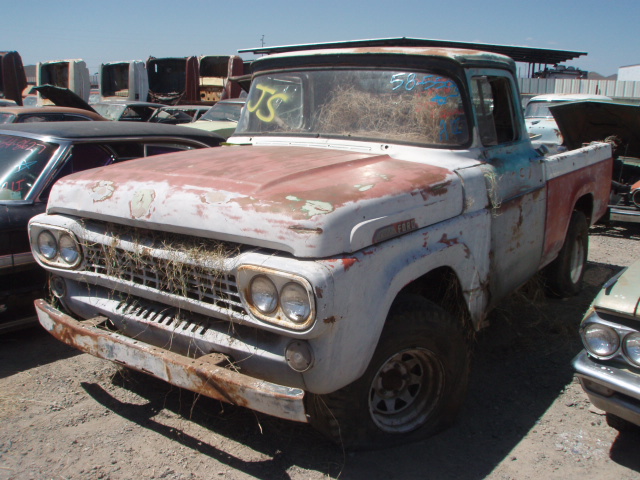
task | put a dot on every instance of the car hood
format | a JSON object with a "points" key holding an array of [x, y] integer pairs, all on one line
{"points": [[588, 121], [62, 97], [621, 295], [311, 202]]}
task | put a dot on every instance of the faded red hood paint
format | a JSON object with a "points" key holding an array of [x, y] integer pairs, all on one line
{"points": [[312, 202]]}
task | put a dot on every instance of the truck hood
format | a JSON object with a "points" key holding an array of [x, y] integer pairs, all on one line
{"points": [[620, 295], [63, 97], [311, 202], [589, 121]]}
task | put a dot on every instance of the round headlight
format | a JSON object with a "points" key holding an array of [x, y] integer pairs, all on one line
{"points": [[631, 347], [264, 294], [69, 250], [600, 340], [47, 245], [294, 301]]}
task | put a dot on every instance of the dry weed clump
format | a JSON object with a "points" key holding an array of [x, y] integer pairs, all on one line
{"points": [[409, 117], [172, 263]]}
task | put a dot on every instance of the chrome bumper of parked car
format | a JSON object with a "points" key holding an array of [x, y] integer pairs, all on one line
{"points": [[611, 389], [206, 375]]}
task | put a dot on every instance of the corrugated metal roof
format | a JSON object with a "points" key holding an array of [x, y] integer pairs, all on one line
{"points": [[518, 54]]}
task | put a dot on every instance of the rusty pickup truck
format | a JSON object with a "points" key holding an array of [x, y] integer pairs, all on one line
{"points": [[330, 266]]}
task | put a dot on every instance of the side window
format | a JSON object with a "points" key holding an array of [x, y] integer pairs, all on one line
{"points": [[491, 96], [40, 118], [70, 117], [82, 157], [157, 149]]}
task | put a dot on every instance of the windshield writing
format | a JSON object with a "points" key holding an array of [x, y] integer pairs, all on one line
{"points": [[21, 163]]}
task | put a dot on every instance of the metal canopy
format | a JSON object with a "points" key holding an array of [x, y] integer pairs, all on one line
{"points": [[519, 54]]}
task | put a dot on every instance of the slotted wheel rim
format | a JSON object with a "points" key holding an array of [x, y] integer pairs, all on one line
{"points": [[577, 261], [406, 390]]}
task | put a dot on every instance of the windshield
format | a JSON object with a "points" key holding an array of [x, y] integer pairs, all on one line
{"points": [[378, 105], [223, 112], [112, 111], [21, 162], [539, 109]]}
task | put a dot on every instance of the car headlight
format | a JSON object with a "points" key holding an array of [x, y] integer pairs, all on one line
{"points": [[69, 249], [601, 341], [55, 246], [276, 297], [631, 347], [295, 302], [264, 294], [47, 245]]}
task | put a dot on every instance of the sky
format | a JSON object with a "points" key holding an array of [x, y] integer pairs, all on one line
{"points": [[119, 30]]}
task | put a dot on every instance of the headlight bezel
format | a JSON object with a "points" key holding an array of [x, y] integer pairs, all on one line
{"points": [[278, 316], [624, 334], [59, 259]]}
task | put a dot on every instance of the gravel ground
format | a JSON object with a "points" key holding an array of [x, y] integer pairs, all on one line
{"points": [[68, 415]]}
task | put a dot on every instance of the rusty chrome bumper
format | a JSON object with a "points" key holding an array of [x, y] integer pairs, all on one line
{"points": [[205, 375]]}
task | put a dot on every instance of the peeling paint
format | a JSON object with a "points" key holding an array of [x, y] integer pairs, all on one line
{"points": [[314, 207], [102, 190], [364, 188], [140, 205], [213, 197]]}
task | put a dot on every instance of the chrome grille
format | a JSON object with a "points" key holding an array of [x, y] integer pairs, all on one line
{"points": [[187, 280]]}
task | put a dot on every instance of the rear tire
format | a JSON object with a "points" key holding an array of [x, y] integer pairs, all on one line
{"points": [[563, 276], [413, 387]]}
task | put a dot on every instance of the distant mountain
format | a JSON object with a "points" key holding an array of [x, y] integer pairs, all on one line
{"points": [[597, 76]]}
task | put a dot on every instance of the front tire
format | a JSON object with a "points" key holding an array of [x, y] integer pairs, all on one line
{"points": [[413, 387]]}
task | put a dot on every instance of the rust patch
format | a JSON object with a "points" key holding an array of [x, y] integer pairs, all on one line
{"points": [[330, 320], [303, 229], [448, 241], [348, 263], [319, 292]]}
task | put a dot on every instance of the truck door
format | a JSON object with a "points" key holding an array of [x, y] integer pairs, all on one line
{"points": [[514, 179]]}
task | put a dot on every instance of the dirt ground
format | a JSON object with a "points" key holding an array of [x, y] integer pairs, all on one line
{"points": [[66, 415]]}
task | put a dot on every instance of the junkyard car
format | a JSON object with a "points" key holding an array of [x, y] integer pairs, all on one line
{"points": [[222, 118], [609, 365], [619, 125], [540, 122], [32, 158], [127, 111], [46, 114], [178, 114]]}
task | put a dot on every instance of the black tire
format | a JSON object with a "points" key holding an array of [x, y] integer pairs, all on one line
{"points": [[413, 387], [621, 424], [563, 277]]}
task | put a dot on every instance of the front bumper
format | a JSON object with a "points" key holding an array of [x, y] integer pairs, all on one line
{"points": [[206, 375], [622, 387]]}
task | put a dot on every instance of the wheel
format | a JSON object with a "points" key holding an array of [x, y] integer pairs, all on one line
{"points": [[563, 277], [413, 387]]}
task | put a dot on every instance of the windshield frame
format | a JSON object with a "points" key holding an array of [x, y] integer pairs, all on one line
{"points": [[436, 68]]}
